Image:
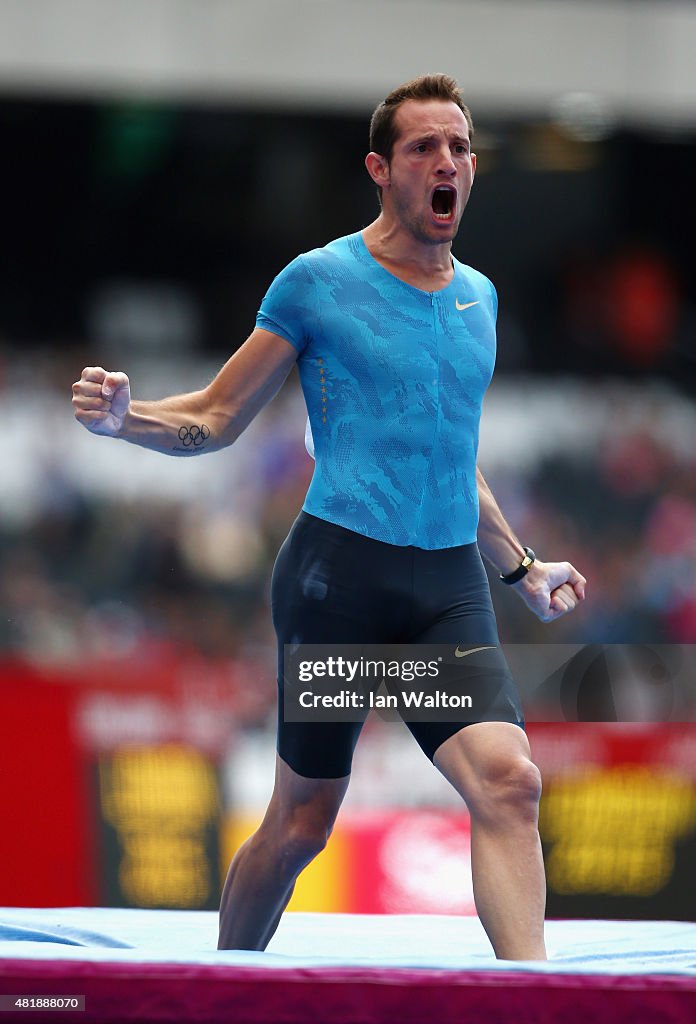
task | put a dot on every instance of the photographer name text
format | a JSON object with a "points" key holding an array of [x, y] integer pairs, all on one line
{"points": [[407, 699]]}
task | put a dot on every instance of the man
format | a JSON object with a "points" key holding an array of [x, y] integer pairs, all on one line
{"points": [[394, 341]]}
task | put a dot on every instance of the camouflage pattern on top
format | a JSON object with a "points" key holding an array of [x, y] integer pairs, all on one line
{"points": [[394, 379]]}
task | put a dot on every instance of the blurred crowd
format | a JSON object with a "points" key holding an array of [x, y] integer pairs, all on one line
{"points": [[168, 238], [180, 567]]}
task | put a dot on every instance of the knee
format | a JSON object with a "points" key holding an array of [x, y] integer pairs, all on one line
{"points": [[509, 790], [300, 838]]}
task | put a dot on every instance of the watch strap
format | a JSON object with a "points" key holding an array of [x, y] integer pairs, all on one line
{"points": [[522, 569]]}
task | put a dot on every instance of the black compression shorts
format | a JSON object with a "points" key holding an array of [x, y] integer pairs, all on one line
{"points": [[332, 585]]}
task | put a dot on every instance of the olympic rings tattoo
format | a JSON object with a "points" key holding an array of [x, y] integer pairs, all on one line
{"points": [[194, 435]]}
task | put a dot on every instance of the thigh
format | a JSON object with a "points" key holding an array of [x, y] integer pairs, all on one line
{"points": [[325, 590], [462, 622]]}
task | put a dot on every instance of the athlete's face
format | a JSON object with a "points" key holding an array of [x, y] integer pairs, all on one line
{"points": [[431, 171]]}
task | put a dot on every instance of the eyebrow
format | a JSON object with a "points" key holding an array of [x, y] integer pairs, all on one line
{"points": [[418, 139]]}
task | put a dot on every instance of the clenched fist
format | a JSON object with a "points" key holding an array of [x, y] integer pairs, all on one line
{"points": [[101, 399]]}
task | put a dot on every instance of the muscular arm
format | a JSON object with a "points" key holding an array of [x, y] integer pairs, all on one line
{"points": [[194, 423], [550, 589]]}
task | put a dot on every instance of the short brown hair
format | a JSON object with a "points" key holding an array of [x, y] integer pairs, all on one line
{"points": [[427, 87]]}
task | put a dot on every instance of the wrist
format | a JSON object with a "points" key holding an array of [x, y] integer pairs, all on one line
{"points": [[126, 423], [520, 571]]}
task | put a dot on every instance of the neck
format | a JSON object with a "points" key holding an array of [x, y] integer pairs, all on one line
{"points": [[390, 242], [424, 266]]}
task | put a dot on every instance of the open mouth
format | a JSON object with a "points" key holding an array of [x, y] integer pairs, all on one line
{"points": [[443, 202]]}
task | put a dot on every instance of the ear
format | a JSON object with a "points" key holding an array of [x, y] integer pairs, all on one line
{"points": [[473, 166], [378, 169]]}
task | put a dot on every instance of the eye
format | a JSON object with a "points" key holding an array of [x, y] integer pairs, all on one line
{"points": [[421, 147], [460, 148]]}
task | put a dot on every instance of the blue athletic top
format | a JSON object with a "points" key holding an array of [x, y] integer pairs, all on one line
{"points": [[394, 378]]}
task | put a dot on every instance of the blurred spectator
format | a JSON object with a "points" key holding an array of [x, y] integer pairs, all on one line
{"points": [[90, 573]]}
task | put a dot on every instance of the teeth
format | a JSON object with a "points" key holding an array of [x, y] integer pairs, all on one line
{"points": [[447, 215]]}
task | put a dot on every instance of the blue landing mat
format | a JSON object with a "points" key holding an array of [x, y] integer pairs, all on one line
{"points": [[325, 940]]}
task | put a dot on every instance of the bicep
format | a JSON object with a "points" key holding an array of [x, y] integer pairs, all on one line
{"points": [[250, 378]]}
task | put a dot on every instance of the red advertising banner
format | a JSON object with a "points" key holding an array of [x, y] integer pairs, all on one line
{"points": [[111, 794], [409, 862]]}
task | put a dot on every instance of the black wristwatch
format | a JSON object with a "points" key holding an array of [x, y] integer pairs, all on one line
{"points": [[522, 569]]}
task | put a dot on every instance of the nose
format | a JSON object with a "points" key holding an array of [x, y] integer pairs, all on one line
{"points": [[445, 164]]}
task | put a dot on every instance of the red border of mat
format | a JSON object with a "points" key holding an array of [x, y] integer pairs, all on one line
{"points": [[117, 993]]}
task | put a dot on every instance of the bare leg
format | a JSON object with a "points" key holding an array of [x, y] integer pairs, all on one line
{"points": [[490, 765], [260, 880]]}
